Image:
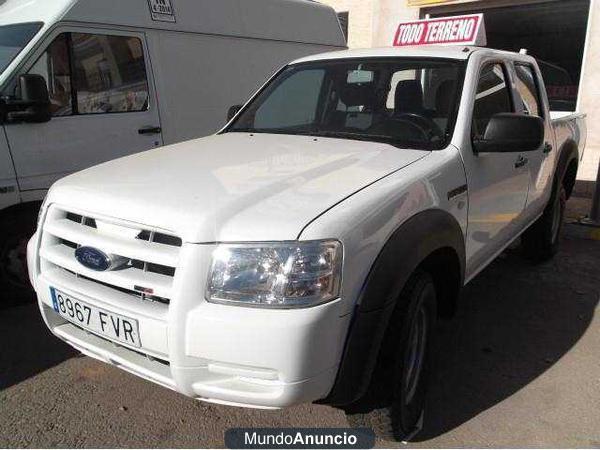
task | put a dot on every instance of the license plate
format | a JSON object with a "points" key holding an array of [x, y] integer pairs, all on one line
{"points": [[114, 326]]}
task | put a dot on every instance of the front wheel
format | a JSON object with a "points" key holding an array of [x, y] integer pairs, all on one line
{"points": [[15, 230], [542, 240], [395, 403]]}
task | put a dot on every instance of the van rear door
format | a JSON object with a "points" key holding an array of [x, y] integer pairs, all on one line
{"points": [[103, 105]]}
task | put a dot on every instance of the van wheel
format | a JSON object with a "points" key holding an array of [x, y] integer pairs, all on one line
{"points": [[542, 240], [15, 230], [395, 402]]}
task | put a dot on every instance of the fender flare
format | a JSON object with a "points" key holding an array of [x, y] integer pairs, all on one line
{"points": [[408, 247], [569, 152]]}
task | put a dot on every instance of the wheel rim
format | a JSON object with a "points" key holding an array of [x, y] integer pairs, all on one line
{"points": [[416, 354], [556, 219]]}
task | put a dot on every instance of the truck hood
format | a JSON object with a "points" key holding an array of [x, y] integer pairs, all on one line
{"points": [[232, 187]]}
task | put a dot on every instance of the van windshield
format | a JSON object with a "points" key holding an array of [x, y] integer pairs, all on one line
{"points": [[404, 102], [13, 38]]}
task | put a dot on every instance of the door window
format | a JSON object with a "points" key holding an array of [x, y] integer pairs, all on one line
{"points": [[110, 74], [54, 66], [528, 89], [94, 74], [492, 97]]}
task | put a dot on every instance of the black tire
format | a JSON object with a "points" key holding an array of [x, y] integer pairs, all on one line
{"points": [[15, 230], [395, 402], [542, 240]]}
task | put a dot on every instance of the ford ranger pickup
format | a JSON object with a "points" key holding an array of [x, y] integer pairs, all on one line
{"points": [[305, 252]]}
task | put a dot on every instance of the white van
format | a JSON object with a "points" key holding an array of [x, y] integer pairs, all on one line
{"points": [[127, 76]]}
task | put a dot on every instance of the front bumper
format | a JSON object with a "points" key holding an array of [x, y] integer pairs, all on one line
{"points": [[218, 353]]}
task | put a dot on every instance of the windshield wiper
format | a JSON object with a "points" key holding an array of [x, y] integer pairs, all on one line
{"points": [[368, 137], [269, 131], [349, 135], [336, 135]]}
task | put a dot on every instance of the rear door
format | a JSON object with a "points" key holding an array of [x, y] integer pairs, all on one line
{"points": [[497, 182], [541, 161], [103, 105]]}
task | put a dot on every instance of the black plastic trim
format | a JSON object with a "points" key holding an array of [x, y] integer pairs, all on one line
{"points": [[457, 191], [406, 249]]}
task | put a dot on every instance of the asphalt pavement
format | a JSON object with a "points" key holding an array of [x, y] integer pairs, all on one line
{"points": [[518, 367]]}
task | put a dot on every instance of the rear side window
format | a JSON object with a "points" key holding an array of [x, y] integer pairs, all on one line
{"points": [[94, 74], [492, 97], [527, 87]]}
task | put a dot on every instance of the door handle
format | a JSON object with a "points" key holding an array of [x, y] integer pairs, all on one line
{"points": [[520, 162], [150, 130], [547, 147]]}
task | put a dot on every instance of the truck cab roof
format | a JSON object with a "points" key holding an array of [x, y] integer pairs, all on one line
{"points": [[459, 52]]}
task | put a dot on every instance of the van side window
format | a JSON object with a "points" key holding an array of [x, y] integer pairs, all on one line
{"points": [[492, 97], [54, 66], [110, 74], [94, 74], [528, 89]]}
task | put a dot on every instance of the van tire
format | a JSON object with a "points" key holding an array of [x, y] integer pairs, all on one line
{"points": [[394, 404], [16, 227], [541, 241]]}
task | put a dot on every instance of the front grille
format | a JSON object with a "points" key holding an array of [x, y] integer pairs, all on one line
{"points": [[151, 255]]}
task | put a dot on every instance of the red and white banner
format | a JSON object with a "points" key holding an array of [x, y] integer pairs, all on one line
{"points": [[468, 30]]}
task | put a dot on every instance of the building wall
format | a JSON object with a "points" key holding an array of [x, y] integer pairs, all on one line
{"points": [[390, 13], [589, 95], [360, 20]]}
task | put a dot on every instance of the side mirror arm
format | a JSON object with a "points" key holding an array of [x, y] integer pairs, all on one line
{"points": [[233, 110], [17, 111]]}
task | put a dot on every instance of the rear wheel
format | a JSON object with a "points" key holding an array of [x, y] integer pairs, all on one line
{"points": [[542, 240], [394, 405], [15, 230]]}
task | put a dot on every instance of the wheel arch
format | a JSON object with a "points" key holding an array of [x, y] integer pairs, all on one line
{"points": [[431, 240], [20, 207], [568, 163]]}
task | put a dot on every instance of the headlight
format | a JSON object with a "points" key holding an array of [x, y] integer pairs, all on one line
{"points": [[276, 275]]}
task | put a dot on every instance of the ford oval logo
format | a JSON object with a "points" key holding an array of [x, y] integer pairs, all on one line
{"points": [[92, 258]]}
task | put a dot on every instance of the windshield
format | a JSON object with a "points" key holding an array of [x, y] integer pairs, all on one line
{"points": [[409, 103], [12, 40]]}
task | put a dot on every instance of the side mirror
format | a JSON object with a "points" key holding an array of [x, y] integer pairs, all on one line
{"points": [[509, 132], [34, 104], [233, 111]]}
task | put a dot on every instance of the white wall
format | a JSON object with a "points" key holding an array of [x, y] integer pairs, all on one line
{"points": [[589, 95], [360, 21]]}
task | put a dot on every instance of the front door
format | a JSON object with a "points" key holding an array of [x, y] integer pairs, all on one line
{"points": [[9, 191], [498, 182], [103, 106]]}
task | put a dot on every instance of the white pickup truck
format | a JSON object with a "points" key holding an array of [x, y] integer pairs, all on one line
{"points": [[305, 252]]}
